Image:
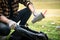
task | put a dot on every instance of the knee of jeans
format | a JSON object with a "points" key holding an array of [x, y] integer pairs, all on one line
{"points": [[4, 29], [28, 10]]}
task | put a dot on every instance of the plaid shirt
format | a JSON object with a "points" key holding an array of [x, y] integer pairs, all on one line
{"points": [[14, 5]]}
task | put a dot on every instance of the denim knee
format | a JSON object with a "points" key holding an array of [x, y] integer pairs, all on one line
{"points": [[4, 29], [26, 13]]}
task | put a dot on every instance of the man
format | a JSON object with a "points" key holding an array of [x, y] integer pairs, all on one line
{"points": [[9, 16]]}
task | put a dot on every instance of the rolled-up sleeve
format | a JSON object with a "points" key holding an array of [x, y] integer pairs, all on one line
{"points": [[25, 2]]}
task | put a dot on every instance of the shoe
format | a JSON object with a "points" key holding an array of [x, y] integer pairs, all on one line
{"points": [[42, 36]]}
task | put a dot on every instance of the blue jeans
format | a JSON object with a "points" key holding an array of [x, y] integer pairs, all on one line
{"points": [[4, 29], [23, 16]]}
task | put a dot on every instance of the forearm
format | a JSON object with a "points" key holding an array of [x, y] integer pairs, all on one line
{"points": [[31, 7], [4, 19]]}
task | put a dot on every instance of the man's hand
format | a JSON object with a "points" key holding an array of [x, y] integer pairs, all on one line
{"points": [[12, 24], [35, 14]]}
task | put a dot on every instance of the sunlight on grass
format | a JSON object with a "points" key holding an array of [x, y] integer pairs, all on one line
{"points": [[48, 25]]}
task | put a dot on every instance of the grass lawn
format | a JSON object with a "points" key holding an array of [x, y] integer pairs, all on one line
{"points": [[48, 25]]}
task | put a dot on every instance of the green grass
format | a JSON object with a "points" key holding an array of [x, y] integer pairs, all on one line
{"points": [[47, 27]]}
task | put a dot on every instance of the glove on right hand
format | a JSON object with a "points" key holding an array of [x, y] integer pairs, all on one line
{"points": [[12, 24]]}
